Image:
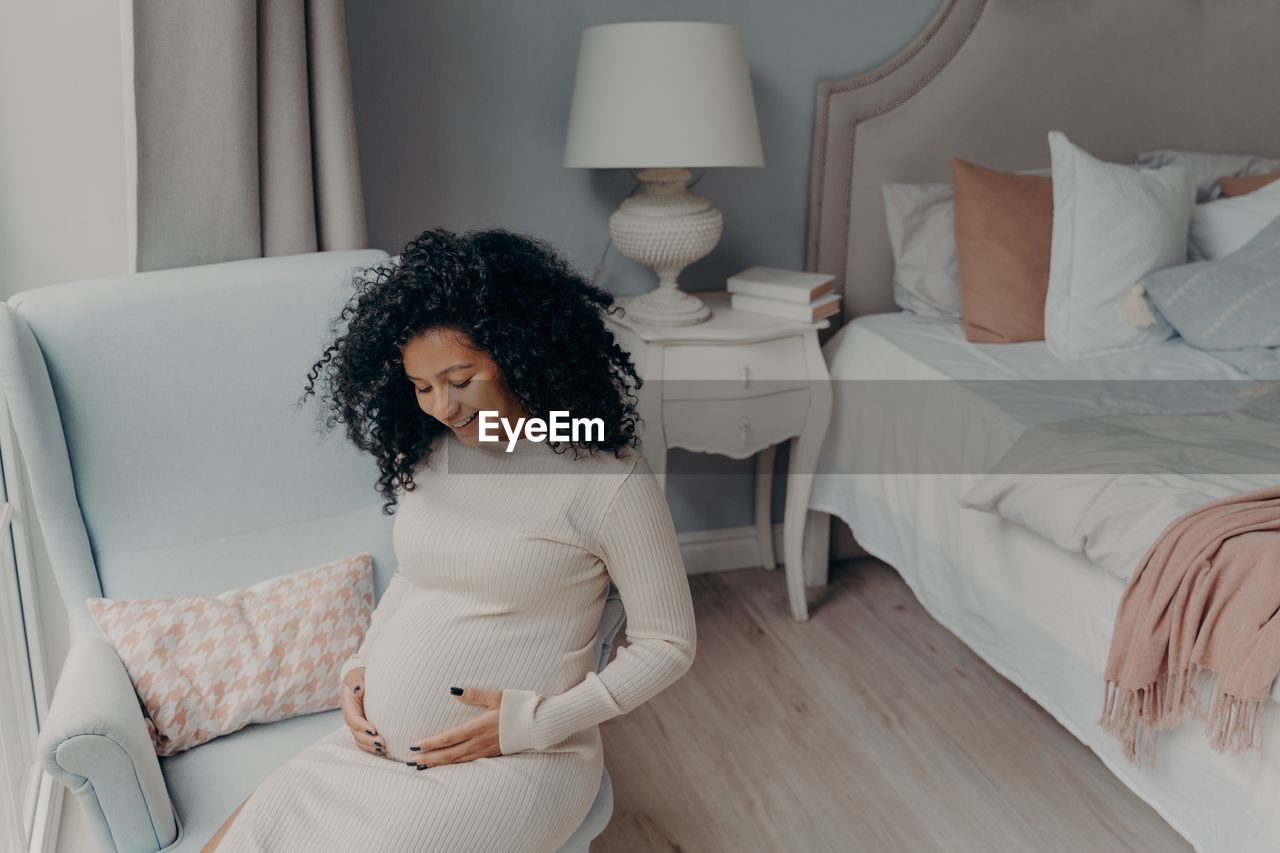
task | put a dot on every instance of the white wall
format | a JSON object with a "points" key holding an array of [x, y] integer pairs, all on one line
{"points": [[63, 201]]}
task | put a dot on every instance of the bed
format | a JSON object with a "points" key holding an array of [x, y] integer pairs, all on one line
{"points": [[986, 81]]}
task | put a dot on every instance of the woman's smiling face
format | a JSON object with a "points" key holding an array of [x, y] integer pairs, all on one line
{"points": [[453, 381]]}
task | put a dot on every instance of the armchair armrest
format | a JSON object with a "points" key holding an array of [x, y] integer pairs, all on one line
{"points": [[611, 619], [95, 741]]}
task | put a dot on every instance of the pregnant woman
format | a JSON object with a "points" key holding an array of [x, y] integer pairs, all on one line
{"points": [[472, 706]]}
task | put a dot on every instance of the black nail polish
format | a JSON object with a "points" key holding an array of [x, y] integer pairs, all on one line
{"points": [[366, 731], [414, 748], [456, 691], [355, 689], [422, 767], [411, 764]]}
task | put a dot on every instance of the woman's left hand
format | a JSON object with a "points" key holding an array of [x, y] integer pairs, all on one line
{"points": [[473, 739]]}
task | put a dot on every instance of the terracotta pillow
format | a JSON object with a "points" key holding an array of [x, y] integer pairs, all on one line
{"points": [[1244, 184], [204, 667], [1004, 230]]}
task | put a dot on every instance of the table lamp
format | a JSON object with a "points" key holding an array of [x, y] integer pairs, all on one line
{"points": [[664, 98]]}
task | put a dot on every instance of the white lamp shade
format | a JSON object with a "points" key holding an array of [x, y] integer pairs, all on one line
{"points": [[662, 95]]}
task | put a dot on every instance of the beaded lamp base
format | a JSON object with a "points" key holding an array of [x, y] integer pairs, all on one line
{"points": [[666, 228]]}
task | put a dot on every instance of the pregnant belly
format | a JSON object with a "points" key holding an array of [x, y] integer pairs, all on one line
{"points": [[429, 646]]}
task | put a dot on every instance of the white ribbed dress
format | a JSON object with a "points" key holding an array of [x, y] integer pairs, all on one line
{"points": [[504, 564]]}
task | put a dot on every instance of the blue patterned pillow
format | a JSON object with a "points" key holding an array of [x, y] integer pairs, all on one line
{"points": [[1232, 303]]}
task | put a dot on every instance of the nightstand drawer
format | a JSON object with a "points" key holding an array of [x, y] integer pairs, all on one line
{"points": [[738, 428], [712, 372]]}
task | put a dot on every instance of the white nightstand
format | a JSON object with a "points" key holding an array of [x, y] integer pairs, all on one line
{"points": [[737, 385]]}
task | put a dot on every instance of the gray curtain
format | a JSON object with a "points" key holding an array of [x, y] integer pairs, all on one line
{"points": [[245, 130]]}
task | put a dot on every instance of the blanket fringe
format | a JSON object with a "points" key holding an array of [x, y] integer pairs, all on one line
{"points": [[1137, 714]]}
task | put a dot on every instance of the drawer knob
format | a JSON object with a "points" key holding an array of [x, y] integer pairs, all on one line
{"points": [[743, 425]]}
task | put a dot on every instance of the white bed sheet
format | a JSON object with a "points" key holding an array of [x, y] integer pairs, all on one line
{"points": [[1039, 615], [1004, 389]]}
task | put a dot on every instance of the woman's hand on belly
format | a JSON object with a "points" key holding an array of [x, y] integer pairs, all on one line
{"points": [[473, 739], [352, 703]]}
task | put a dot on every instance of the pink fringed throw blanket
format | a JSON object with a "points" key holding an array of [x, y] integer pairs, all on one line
{"points": [[1197, 631]]}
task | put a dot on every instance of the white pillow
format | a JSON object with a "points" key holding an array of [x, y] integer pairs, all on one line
{"points": [[1220, 227], [1206, 168], [1112, 225], [922, 232]]}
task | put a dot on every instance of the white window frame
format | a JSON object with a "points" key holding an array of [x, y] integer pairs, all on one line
{"points": [[37, 808]]}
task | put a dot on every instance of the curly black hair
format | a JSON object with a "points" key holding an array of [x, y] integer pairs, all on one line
{"points": [[517, 300]]}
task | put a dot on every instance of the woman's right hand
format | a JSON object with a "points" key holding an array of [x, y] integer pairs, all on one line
{"points": [[367, 737]]}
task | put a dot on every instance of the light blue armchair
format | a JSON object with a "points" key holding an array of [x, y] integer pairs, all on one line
{"points": [[166, 456]]}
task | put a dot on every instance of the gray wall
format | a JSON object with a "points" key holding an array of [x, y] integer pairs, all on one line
{"points": [[461, 109]]}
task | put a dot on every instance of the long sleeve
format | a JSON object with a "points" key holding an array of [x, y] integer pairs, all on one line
{"points": [[391, 598], [640, 552]]}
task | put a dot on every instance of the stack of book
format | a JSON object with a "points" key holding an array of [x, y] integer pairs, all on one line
{"points": [[804, 296]]}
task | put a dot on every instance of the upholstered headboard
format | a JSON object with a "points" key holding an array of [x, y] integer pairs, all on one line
{"points": [[986, 81]]}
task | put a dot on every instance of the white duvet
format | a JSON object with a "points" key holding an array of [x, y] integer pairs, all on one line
{"points": [[1107, 486]]}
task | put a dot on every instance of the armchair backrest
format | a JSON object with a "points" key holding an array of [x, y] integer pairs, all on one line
{"points": [[156, 413]]}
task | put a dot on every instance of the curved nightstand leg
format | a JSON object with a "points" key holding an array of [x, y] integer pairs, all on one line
{"points": [[799, 485], [804, 459], [764, 519]]}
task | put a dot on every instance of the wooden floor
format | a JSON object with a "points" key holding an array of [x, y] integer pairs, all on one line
{"points": [[868, 728]]}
